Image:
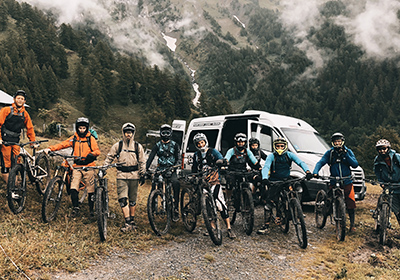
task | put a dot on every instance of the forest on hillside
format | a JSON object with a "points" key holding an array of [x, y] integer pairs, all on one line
{"points": [[351, 93]]}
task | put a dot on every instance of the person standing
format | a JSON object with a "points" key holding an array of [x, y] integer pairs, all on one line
{"points": [[12, 120], [85, 149], [130, 175]]}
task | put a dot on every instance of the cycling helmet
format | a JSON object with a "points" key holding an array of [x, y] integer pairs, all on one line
{"points": [[280, 140], [82, 122], [128, 127], [337, 136], [200, 137], [254, 141], [165, 132], [240, 137], [20, 92], [383, 143]]}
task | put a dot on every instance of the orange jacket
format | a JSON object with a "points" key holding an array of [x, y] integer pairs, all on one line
{"points": [[4, 112], [81, 148]]}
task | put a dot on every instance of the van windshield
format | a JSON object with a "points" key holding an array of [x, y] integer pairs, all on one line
{"points": [[306, 141]]}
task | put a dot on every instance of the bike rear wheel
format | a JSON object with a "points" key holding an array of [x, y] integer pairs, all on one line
{"points": [[101, 212], [52, 199], [383, 223], [42, 173], [188, 211], [16, 189], [299, 223], [340, 219], [320, 209], [210, 216], [158, 212], [247, 211]]}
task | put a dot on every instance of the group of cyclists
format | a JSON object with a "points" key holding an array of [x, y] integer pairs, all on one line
{"points": [[132, 173]]}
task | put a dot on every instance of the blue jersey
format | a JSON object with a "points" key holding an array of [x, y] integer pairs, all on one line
{"points": [[277, 167]]}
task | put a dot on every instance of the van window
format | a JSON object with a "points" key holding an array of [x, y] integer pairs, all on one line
{"points": [[306, 141], [211, 137], [177, 137], [263, 134]]}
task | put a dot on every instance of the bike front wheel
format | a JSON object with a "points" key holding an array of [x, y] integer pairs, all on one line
{"points": [[383, 223], [247, 211], [158, 212], [42, 173], [210, 216], [101, 212], [188, 210], [16, 189], [299, 223], [52, 199], [320, 209], [340, 219]]}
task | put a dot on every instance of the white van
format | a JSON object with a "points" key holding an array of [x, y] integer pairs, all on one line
{"points": [[303, 140]]}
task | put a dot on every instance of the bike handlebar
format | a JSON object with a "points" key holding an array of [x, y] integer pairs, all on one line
{"points": [[288, 181], [23, 144]]}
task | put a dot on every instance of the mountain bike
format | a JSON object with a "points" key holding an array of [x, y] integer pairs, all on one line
{"points": [[199, 199], [160, 204], [35, 167], [333, 205], [288, 208], [53, 195], [101, 197], [242, 199], [383, 210]]}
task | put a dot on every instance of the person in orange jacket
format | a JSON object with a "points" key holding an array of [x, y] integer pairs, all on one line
{"points": [[85, 149], [12, 120]]}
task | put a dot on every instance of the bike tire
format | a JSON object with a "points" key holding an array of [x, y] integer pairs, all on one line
{"points": [[247, 211], [101, 212], [43, 173], [340, 220], [320, 209], [52, 199], [284, 215], [210, 216], [16, 189], [384, 223], [188, 211], [299, 223], [158, 212]]}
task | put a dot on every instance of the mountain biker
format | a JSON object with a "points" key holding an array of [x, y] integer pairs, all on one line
{"points": [[130, 175], [167, 152], [85, 149], [238, 157], [277, 168], [11, 125], [203, 159], [254, 145], [340, 159], [387, 170]]}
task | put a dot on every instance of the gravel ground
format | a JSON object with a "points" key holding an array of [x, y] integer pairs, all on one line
{"points": [[194, 256]]}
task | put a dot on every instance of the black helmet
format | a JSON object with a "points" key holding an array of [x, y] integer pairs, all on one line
{"points": [[383, 143], [280, 141], [240, 137], [337, 136], [128, 127], [165, 132], [82, 121], [20, 92], [200, 137]]}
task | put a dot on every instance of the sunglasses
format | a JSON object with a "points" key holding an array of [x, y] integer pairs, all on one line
{"points": [[382, 148]]}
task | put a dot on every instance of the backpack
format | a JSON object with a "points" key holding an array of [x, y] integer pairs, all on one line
{"points": [[94, 133], [9, 116], [128, 168], [288, 161], [87, 140]]}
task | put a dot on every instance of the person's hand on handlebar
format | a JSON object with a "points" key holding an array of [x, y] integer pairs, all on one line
{"points": [[47, 151]]}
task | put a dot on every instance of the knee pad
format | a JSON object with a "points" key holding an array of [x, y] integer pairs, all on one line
{"points": [[132, 203], [123, 202], [5, 170]]}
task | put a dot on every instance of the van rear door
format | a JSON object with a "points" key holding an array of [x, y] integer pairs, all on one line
{"points": [[178, 132]]}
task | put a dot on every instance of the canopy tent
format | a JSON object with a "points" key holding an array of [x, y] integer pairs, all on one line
{"points": [[5, 98]]}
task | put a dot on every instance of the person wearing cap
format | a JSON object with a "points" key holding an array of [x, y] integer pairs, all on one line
{"points": [[130, 175], [12, 120], [387, 170], [168, 154], [85, 149], [340, 160]]}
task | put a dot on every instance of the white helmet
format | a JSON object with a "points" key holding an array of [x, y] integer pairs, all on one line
{"points": [[200, 137]]}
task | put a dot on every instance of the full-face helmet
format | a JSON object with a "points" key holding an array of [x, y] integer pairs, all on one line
{"points": [[166, 132], [200, 137], [280, 145]]}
